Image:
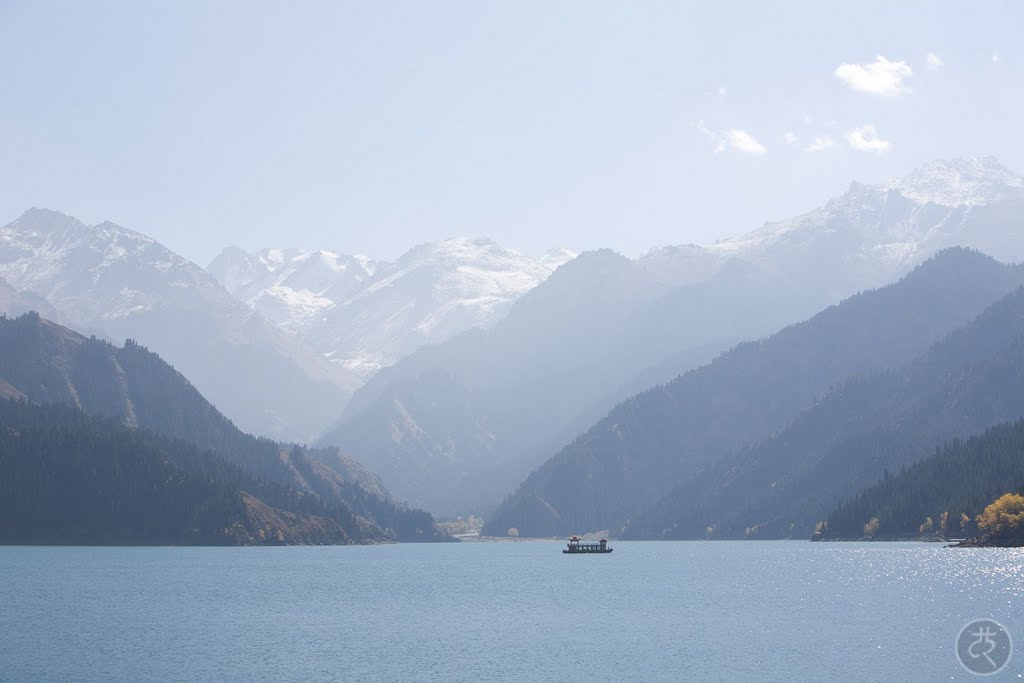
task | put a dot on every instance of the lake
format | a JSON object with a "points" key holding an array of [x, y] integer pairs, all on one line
{"points": [[503, 611]]}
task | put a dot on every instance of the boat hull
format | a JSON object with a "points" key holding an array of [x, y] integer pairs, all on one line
{"points": [[588, 552]]}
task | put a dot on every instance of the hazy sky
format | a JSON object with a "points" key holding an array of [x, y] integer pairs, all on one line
{"points": [[369, 127]]}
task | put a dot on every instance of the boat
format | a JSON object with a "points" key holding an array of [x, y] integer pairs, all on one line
{"points": [[578, 547]]}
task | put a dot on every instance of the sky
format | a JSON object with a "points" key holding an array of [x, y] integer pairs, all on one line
{"points": [[371, 127]]}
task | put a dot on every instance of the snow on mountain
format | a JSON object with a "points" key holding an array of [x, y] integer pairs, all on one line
{"points": [[431, 293], [292, 287], [604, 327], [117, 283], [972, 181], [365, 315], [553, 258], [871, 234]]}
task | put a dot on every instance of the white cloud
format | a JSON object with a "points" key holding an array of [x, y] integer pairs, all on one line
{"points": [[880, 77], [732, 138], [722, 91], [866, 139], [820, 144], [808, 120], [996, 58], [790, 138], [742, 141], [933, 61]]}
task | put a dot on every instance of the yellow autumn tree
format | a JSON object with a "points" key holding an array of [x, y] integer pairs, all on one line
{"points": [[1004, 517], [927, 526], [871, 528]]}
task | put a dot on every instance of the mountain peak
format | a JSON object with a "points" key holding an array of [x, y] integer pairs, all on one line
{"points": [[232, 251], [485, 242], [553, 258], [46, 220], [466, 246], [968, 181]]}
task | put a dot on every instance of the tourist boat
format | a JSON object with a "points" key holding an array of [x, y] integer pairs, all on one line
{"points": [[578, 547]]}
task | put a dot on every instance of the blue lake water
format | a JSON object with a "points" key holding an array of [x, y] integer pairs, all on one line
{"points": [[503, 611]]}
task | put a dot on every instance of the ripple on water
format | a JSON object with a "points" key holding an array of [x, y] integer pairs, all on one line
{"points": [[501, 611]]}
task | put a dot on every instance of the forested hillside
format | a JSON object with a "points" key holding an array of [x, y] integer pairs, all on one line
{"points": [[46, 363], [971, 380], [67, 478], [674, 433], [938, 496]]}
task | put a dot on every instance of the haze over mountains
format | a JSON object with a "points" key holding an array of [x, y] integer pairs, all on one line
{"points": [[117, 283], [870, 235], [604, 327], [49, 365], [365, 315], [454, 371], [968, 382], [689, 430]]}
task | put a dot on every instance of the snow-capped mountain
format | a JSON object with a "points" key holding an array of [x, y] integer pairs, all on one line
{"points": [[872, 233], [428, 295], [365, 315], [292, 287], [553, 258], [604, 327], [971, 181], [117, 283]]}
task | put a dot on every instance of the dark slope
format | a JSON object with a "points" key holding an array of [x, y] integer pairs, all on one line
{"points": [[960, 478], [645, 445], [971, 380], [68, 478], [46, 363]]}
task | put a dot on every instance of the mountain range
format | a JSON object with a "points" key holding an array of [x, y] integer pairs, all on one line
{"points": [[45, 364], [688, 429], [117, 283], [967, 382], [365, 315], [604, 327], [457, 369]]}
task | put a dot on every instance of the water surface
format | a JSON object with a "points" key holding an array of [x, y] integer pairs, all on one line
{"points": [[503, 611]]}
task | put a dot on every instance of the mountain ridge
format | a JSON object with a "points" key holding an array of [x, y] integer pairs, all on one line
{"points": [[625, 463], [964, 384], [603, 321], [365, 315], [49, 364], [118, 283]]}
